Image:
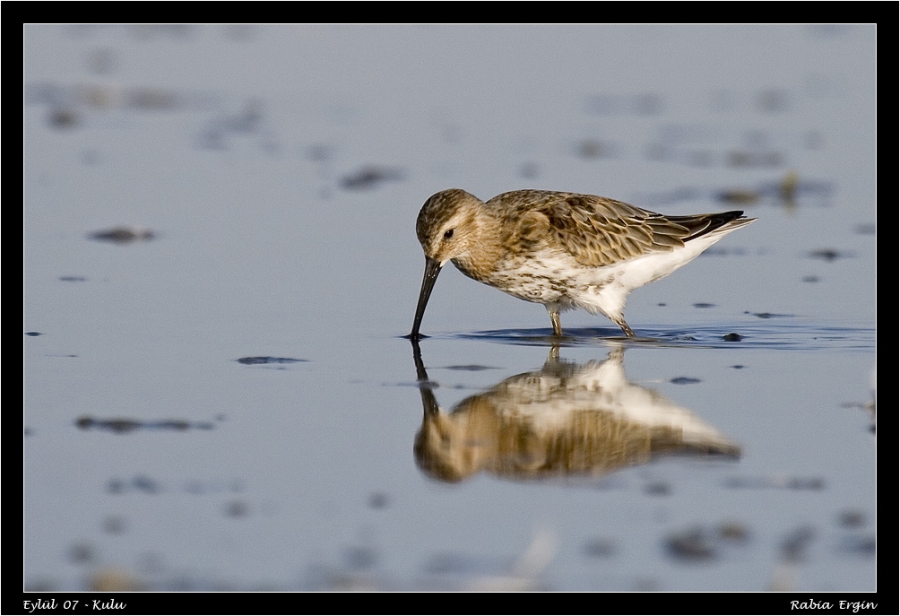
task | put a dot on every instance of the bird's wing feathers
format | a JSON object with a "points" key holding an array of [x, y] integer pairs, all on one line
{"points": [[598, 231]]}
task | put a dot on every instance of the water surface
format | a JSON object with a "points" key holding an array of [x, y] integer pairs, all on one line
{"points": [[220, 262]]}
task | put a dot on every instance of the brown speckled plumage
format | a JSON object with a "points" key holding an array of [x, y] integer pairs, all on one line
{"points": [[564, 250]]}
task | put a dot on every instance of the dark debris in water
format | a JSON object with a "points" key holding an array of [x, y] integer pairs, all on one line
{"points": [[236, 508], [851, 518], [370, 177], [777, 482], [319, 152], [529, 170], [378, 500], [250, 120], [151, 99], [698, 544], [795, 544], [122, 424], [360, 558], [658, 488], [63, 117], [788, 192], [142, 483], [471, 368], [703, 305], [599, 547], [114, 524], [82, 553], [72, 278], [122, 235], [773, 100], [768, 315], [196, 487], [419, 384], [739, 196], [593, 148], [860, 545], [724, 251], [254, 361], [748, 158], [734, 531], [732, 337], [691, 546], [684, 380], [443, 563], [33, 334], [829, 254]]}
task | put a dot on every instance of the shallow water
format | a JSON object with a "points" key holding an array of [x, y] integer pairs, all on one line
{"points": [[217, 395], [798, 336]]}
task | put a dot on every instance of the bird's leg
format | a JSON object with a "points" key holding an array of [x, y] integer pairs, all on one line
{"points": [[554, 318], [553, 355], [621, 323]]}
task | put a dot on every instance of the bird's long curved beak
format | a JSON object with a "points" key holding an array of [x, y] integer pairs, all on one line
{"points": [[432, 269]]}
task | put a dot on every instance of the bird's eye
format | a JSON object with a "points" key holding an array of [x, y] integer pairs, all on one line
{"points": [[448, 234]]}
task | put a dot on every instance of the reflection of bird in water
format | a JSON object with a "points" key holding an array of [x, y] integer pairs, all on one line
{"points": [[565, 419]]}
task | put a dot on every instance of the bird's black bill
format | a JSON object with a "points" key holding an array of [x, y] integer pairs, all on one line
{"points": [[432, 269]]}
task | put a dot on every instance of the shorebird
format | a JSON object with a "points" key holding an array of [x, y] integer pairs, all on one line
{"points": [[560, 249]]}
